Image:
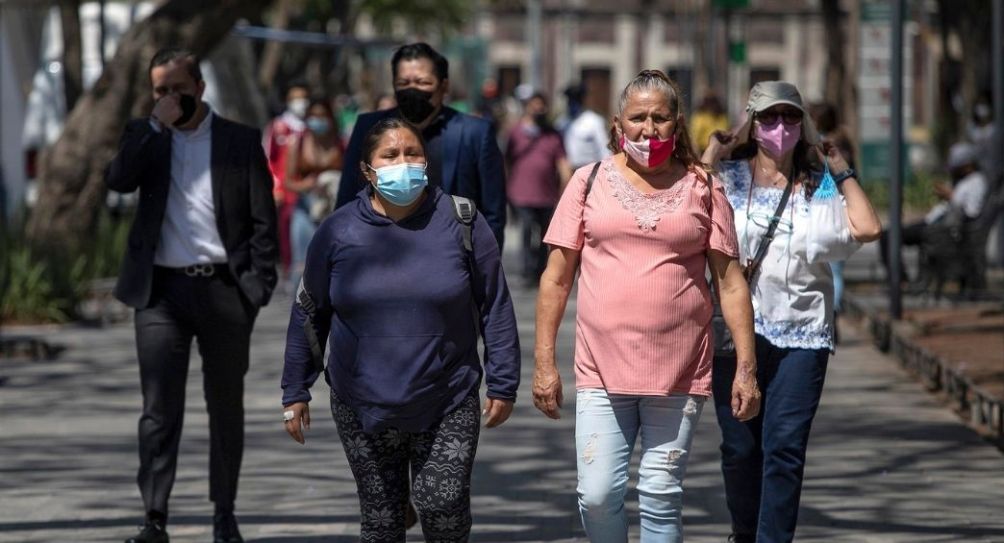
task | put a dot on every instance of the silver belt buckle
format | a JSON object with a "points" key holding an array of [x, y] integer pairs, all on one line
{"points": [[200, 270]]}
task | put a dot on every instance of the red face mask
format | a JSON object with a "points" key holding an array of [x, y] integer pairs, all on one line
{"points": [[649, 152]]}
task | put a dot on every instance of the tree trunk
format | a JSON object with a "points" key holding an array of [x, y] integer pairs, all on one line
{"points": [[836, 68], [948, 120], [969, 76], [73, 60], [71, 176], [338, 79], [974, 34], [272, 56]]}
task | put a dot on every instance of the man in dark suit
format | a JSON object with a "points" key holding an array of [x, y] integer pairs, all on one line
{"points": [[200, 263], [463, 156]]}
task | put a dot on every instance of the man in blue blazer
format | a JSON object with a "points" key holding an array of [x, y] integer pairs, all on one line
{"points": [[463, 156]]}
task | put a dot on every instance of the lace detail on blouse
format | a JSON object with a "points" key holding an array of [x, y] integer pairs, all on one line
{"points": [[646, 208], [795, 334]]}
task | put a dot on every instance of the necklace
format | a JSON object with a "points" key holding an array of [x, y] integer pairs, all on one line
{"points": [[774, 179]]}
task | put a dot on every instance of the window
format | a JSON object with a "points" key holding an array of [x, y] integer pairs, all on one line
{"points": [[597, 84], [684, 78], [508, 79], [764, 74]]}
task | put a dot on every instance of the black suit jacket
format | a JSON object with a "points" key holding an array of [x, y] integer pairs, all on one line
{"points": [[242, 199]]}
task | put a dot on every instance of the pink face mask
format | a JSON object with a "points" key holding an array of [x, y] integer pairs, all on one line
{"points": [[649, 152], [777, 139]]}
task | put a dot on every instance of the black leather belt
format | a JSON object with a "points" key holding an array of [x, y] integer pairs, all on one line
{"points": [[197, 270]]}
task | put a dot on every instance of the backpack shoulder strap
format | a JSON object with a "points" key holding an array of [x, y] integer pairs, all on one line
{"points": [[310, 309], [464, 210]]}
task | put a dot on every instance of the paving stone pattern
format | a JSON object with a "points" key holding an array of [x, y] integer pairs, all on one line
{"points": [[887, 463]]}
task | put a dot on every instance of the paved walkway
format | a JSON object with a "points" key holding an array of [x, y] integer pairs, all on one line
{"points": [[886, 463]]}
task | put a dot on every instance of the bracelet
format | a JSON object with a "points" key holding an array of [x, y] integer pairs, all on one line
{"points": [[844, 175]]}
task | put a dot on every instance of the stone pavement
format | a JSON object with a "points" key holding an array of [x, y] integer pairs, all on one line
{"points": [[887, 463]]}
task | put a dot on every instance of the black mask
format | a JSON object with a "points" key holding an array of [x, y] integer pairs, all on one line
{"points": [[540, 119], [188, 106], [414, 104]]}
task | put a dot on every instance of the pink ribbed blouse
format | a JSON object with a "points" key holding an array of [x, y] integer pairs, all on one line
{"points": [[644, 309]]}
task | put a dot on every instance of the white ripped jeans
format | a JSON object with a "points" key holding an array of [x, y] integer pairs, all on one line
{"points": [[606, 427]]}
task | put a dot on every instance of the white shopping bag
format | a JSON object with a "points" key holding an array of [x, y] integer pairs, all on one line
{"points": [[829, 237]]}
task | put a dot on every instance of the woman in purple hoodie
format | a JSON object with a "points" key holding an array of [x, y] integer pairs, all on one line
{"points": [[400, 294]]}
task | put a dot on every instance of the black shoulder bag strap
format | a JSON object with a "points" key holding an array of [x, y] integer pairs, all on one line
{"points": [[589, 181], [753, 264]]}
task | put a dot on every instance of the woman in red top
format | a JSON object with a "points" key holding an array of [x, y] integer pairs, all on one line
{"points": [[313, 169]]}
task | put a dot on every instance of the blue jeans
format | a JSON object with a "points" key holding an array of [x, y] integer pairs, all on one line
{"points": [[301, 231], [763, 459], [533, 222], [606, 427], [837, 267]]}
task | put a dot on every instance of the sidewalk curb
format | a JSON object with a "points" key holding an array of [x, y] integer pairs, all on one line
{"points": [[979, 409]]}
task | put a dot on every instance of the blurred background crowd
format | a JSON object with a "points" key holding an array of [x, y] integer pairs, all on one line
{"points": [[72, 72]]}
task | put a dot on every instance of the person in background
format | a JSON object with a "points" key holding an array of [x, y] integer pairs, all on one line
{"points": [[709, 117], [776, 151], [641, 236], [585, 131], [200, 263], [278, 138], [831, 130], [385, 101], [980, 132], [347, 110], [391, 286], [464, 158], [966, 194], [537, 172], [490, 105], [313, 166]]}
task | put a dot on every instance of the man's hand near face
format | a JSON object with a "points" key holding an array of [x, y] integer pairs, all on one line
{"points": [[166, 110]]}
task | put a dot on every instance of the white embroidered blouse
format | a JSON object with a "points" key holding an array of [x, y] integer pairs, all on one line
{"points": [[792, 297]]}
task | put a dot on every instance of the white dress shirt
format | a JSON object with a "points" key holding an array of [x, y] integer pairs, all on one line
{"points": [[188, 234], [968, 195], [586, 139]]}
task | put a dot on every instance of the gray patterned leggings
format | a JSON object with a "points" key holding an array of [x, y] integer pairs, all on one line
{"points": [[441, 459]]}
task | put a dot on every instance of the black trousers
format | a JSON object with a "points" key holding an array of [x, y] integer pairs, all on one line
{"points": [[533, 222], [911, 235], [441, 460], [212, 310]]}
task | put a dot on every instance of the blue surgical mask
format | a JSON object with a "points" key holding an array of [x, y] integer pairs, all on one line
{"points": [[401, 184], [318, 125]]}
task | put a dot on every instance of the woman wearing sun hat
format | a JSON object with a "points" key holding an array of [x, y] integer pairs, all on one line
{"points": [[772, 167]]}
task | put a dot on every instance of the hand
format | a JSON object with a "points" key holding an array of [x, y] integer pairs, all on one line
{"points": [[166, 110], [720, 146], [310, 182], [833, 157], [547, 396], [300, 421], [745, 394], [943, 191], [497, 411]]}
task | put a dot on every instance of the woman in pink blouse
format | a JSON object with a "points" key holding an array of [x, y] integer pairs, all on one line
{"points": [[643, 233]]}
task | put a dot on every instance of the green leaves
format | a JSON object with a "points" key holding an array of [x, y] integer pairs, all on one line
{"points": [[38, 286], [421, 16]]}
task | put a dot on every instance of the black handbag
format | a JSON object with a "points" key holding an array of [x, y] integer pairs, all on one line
{"points": [[724, 346]]}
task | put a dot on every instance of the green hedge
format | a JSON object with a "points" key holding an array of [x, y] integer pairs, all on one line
{"points": [[38, 287]]}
